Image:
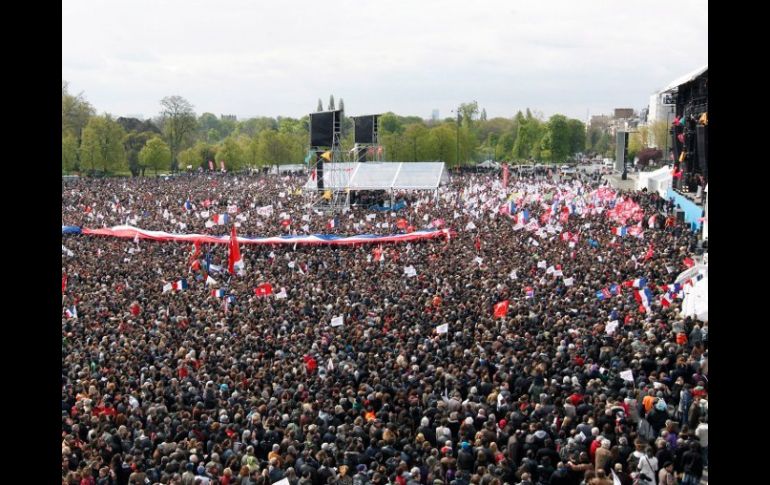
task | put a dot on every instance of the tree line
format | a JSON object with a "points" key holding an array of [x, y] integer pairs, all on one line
{"points": [[178, 139]]}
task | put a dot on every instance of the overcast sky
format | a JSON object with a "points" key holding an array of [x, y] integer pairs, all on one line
{"points": [[276, 58]]}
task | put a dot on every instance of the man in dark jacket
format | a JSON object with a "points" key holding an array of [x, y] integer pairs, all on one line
{"points": [[693, 465]]}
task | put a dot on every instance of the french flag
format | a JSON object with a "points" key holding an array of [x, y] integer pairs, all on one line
{"points": [[71, 312], [665, 300], [637, 283], [616, 289], [187, 205], [620, 231], [221, 219], [643, 297], [218, 293], [179, 285], [529, 291], [333, 223]]}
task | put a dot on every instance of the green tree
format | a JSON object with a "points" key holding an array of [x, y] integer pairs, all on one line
{"points": [[178, 124], [331, 102], [443, 139], [659, 134], [75, 113], [528, 137], [559, 138], [209, 127], [102, 145], [504, 146], [272, 148], [231, 153], [577, 136], [390, 123], [483, 116], [320, 105], [592, 138], [468, 111], [416, 137], [606, 145], [69, 153], [156, 155], [133, 144], [635, 145]]}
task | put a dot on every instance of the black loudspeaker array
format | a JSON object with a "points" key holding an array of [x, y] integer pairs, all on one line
{"points": [[702, 132]]}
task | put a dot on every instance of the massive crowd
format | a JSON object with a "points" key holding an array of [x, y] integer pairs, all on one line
{"points": [[588, 374]]}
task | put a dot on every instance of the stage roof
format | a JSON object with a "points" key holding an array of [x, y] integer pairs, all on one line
{"points": [[685, 79], [381, 176]]}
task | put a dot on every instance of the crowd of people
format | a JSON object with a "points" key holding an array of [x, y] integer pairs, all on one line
{"points": [[536, 344]]}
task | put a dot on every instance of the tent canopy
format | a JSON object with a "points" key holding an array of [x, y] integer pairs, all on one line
{"points": [[381, 176]]}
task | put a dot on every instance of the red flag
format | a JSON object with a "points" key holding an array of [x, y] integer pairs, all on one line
{"points": [[689, 262], [235, 252], [286, 222], [478, 243], [135, 309], [196, 252], [63, 283], [505, 175], [649, 253], [501, 309], [264, 289], [402, 223]]}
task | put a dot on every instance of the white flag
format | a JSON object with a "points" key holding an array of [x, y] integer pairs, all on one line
{"points": [[443, 328], [281, 294], [615, 479], [611, 327], [337, 321], [513, 275], [569, 281], [167, 287], [410, 271], [283, 481], [550, 270], [210, 280], [541, 264], [627, 375]]}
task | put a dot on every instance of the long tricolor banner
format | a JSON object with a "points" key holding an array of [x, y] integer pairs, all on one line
{"points": [[131, 232]]}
